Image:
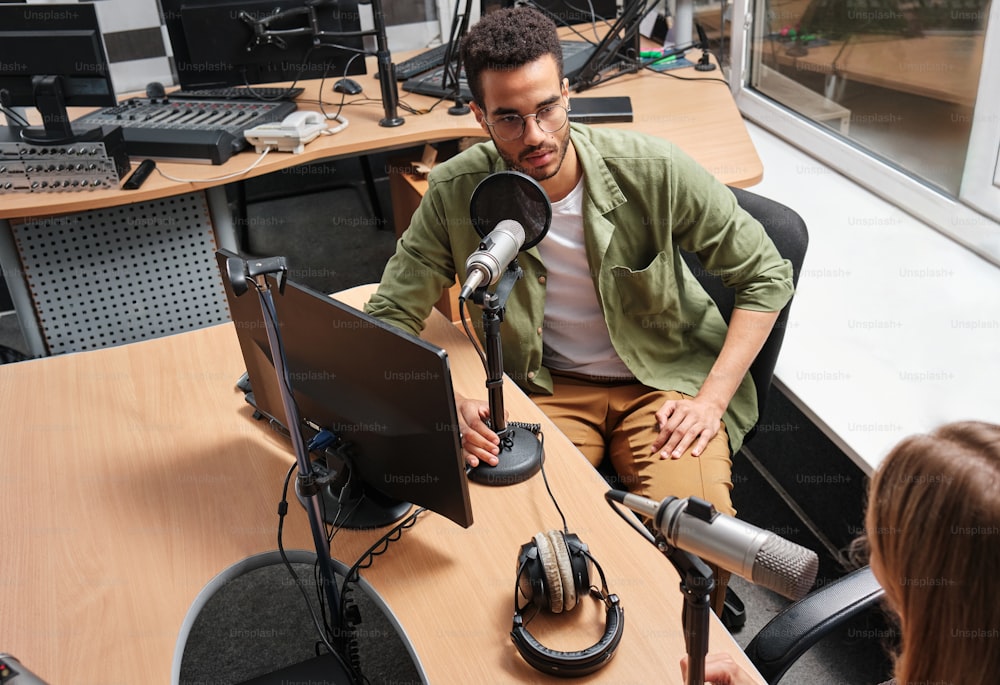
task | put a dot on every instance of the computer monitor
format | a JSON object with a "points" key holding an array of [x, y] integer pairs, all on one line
{"points": [[52, 57], [563, 12], [226, 43], [385, 394], [617, 51]]}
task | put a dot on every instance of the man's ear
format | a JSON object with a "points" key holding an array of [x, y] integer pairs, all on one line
{"points": [[480, 118]]}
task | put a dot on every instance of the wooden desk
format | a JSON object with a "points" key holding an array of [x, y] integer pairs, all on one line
{"points": [[682, 111], [134, 474]]}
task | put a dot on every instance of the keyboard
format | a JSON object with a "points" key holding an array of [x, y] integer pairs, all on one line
{"points": [[576, 53], [432, 83], [418, 64], [238, 93]]}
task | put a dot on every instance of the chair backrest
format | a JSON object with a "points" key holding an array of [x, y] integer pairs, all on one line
{"points": [[788, 232]]}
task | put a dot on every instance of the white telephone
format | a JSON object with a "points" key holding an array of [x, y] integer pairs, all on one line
{"points": [[290, 134]]}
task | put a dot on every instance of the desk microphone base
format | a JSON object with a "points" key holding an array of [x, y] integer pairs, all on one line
{"points": [[520, 458]]}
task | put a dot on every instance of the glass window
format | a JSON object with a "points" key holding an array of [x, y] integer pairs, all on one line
{"points": [[899, 79], [897, 85]]}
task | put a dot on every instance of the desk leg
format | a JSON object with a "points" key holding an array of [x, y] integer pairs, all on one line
{"points": [[834, 89], [366, 168], [222, 219], [24, 305]]}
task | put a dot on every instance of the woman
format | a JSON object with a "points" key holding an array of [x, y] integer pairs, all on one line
{"points": [[933, 533]]}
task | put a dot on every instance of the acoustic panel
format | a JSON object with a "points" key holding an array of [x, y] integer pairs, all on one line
{"points": [[122, 274]]}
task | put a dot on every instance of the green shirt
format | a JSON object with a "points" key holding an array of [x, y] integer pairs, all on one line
{"points": [[644, 199]]}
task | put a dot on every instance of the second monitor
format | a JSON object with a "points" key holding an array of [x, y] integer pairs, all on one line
{"points": [[222, 43], [563, 12]]}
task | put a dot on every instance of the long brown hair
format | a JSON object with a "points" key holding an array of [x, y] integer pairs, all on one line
{"points": [[933, 526]]}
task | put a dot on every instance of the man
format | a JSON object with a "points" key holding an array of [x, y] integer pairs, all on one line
{"points": [[609, 332]]}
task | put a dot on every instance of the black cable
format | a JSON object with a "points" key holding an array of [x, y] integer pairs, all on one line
{"points": [[380, 546], [365, 560], [630, 518], [560, 21], [468, 333], [9, 112], [282, 511], [685, 78], [548, 488]]}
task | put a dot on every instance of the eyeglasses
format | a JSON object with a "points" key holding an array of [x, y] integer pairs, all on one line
{"points": [[550, 119]]}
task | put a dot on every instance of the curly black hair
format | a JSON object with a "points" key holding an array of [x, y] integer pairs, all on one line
{"points": [[505, 40]]}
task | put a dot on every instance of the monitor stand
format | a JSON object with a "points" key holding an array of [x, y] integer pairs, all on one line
{"points": [[348, 503], [355, 507], [57, 129]]}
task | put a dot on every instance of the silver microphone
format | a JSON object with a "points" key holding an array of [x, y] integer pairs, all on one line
{"points": [[496, 251], [758, 555], [13, 672]]}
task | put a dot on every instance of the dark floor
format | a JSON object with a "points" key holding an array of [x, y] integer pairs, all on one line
{"points": [[334, 239]]}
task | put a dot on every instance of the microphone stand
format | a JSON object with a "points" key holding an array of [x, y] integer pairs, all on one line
{"points": [[386, 71], [520, 450], [696, 584], [264, 35], [257, 270], [452, 71]]}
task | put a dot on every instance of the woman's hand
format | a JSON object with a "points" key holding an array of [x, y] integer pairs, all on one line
{"points": [[720, 669]]}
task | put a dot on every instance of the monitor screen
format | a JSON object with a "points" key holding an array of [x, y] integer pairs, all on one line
{"points": [[52, 57], [385, 394], [230, 43], [563, 12]]}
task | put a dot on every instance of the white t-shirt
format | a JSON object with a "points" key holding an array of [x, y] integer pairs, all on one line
{"points": [[575, 335]]}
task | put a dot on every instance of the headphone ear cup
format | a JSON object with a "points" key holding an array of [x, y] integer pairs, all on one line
{"points": [[554, 573], [560, 548], [551, 574]]}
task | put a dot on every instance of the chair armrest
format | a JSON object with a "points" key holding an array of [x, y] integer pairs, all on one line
{"points": [[802, 624]]}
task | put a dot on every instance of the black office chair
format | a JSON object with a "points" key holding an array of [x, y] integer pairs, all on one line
{"points": [[788, 232], [802, 624]]}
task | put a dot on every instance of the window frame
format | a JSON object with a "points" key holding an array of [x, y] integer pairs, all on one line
{"points": [[972, 219]]}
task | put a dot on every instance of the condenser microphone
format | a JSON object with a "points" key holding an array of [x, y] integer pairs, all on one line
{"points": [[758, 555], [496, 251]]}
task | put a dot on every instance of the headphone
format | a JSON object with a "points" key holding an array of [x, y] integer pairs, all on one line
{"points": [[553, 573]]}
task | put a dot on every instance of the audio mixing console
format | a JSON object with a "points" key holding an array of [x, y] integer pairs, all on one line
{"points": [[206, 131]]}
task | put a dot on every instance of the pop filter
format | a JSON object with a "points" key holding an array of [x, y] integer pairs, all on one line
{"points": [[511, 196]]}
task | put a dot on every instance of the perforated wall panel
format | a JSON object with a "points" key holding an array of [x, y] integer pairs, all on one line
{"points": [[122, 274]]}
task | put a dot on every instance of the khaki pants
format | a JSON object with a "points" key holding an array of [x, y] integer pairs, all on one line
{"points": [[617, 421]]}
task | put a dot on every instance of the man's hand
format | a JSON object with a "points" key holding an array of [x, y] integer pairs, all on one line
{"points": [[720, 669], [479, 442], [686, 422], [696, 421]]}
